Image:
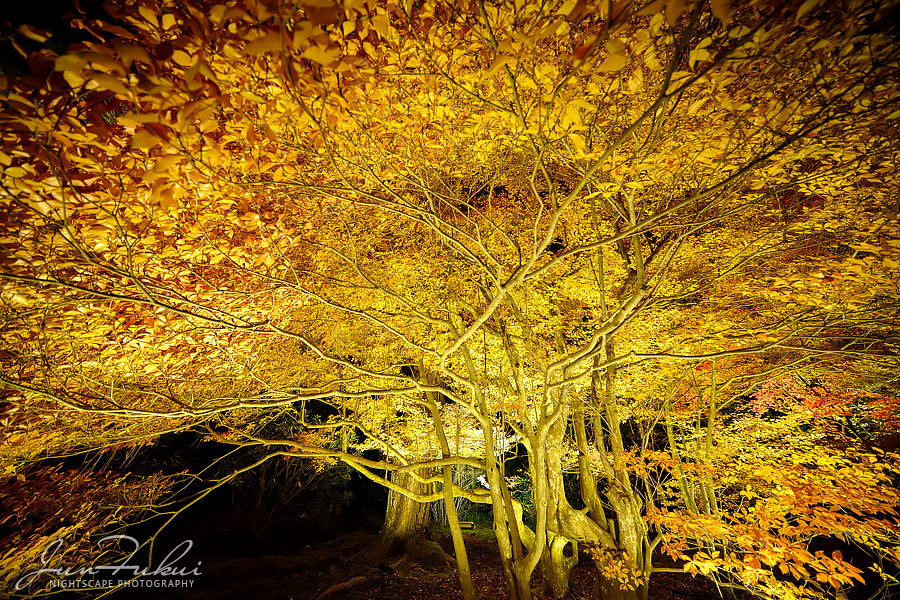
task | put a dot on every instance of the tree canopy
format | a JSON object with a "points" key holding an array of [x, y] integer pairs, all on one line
{"points": [[653, 245]]}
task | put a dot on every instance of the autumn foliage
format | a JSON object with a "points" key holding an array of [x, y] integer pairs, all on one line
{"points": [[653, 245]]}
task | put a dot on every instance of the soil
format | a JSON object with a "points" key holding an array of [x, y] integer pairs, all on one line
{"points": [[342, 565]]}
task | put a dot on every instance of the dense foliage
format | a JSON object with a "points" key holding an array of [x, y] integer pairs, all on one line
{"points": [[653, 246]]}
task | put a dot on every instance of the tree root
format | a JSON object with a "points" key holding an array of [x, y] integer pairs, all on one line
{"points": [[394, 557], [345, 585], [418, 550]]}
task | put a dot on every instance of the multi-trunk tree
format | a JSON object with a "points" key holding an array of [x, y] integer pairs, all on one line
{"points": [[606, 232]]}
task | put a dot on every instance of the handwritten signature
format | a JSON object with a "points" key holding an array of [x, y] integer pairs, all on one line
{"points": [[165, 569]]}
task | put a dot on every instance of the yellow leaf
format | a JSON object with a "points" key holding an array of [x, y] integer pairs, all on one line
{"points": [[110, 83], [720, 9], [573, 115], [264, 44], [578, 142], [567, 8], [381, 25], [653, 8], [33, 33], [69, 62], [696, 105], [166, 162], [73, 79], [697, 54], [616, 62], [143, 138], [130, 53], [615, 46], [216, 13], [251, 96], [148, 13], [15, 172], [182, 58], [320, 55], [498, 64]]}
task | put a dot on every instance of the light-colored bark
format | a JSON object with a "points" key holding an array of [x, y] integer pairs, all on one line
{"points": [[459, 546], [405, 526]]}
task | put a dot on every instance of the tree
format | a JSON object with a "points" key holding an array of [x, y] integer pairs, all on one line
{"points": [[51, 515], [577, 220]]}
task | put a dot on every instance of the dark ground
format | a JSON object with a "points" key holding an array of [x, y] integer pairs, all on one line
{"points": [[307, 571]]}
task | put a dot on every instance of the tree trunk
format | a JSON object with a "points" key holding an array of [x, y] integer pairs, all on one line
{"points": [[462, 559], [622, 498], [611, 589], [556, 564], [405, 518], [459, 546], [630, 551], [405, 530], [508, 537]]}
